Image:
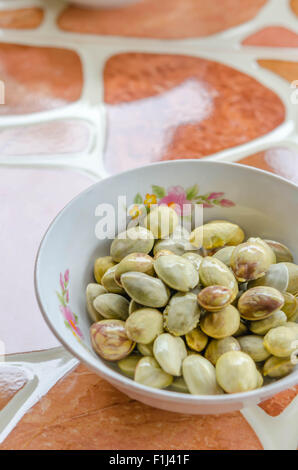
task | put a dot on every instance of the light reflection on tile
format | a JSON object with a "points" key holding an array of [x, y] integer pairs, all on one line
{"points": [[68, 136], [163, 107], [273, 36], [23, 18], [167, 19], [36, 88], [12, 379], [282, 161], [30, 199]]}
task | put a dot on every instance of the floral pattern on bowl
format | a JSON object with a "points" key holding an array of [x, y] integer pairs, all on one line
{"points": [[70, 318], [178, 198]]}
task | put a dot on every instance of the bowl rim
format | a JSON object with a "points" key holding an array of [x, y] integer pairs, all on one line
{"points": [[116, 377]]}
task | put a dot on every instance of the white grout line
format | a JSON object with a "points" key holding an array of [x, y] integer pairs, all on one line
{"points": [[43, 370], [275, 433]]}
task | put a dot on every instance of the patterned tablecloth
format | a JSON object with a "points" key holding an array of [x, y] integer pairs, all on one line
{"points": [[93, 92]]}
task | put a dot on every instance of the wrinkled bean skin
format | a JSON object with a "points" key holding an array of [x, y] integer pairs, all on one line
{"points": [[176, 272], [213, 272], [182, 314], [250, 260], [92, 291], [215, 298], [253, 346], [101, 265], [169, 351], [145, 290], [259, 302], [224, 255], [133, 240], [199, 375], [281, 341], [137, 262], [290, 307], [221, 324], [109, 283], [282, 252], [149, 373], [278, 367], [111, 306], [216, 234], [109, 340], [145, 349], [261, 327], [217, 347], [128, 365], [196, 340], [144, 325]]}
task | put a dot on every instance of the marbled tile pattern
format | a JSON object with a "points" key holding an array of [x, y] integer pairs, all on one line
{"points": [[169, 19], [36, 88], [165, 107], [51, 138], [84, 412], [276, 405], [273, 36], [24, 18], [38, 195]]}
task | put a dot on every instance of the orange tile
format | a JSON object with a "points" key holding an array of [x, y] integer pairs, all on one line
{"points": [[294, 5], [164, 107], [24, 18], [167, 19], [273, 36], [12, 379], [286, 69], [84, 412], [31, 85], [257, 160], [280, 160], [276, 405]]}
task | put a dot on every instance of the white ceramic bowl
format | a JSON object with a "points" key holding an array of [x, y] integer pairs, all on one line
{"points": [[265, 205]]}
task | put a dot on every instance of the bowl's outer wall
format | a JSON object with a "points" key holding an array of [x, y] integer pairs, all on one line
{"points": [[266, 206]]}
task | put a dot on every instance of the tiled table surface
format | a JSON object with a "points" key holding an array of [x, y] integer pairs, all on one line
{"points": [[88, 93]]}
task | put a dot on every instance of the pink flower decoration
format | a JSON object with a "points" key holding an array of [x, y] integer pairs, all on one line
{"points": [[68, 315], [70, 318], [66, 276], [67, 296], [226, 203], [207, 206], [215, 195], [61, 281], [176, 198]]}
